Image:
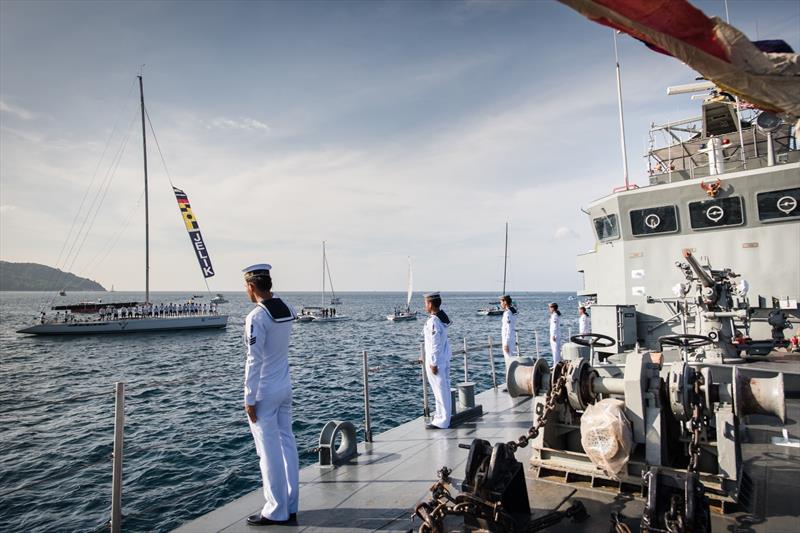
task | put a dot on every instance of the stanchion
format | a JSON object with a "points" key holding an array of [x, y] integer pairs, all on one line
{"points": [[116, 475], [536, 334], [466, 370], [491, 363], [367, 421], [516, 340]]}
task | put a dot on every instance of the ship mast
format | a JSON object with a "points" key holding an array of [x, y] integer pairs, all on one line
{"points": [[323, 274], [146, 204]]}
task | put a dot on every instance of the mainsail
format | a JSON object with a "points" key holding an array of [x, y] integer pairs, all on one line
{"points": [[194, 233]]}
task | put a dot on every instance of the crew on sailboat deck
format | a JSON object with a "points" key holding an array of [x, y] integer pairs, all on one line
{"points": [[508, 332], [437, 360], [268, 397]]}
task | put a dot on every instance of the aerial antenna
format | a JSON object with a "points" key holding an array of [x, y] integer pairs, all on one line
{"points": [[621, 117]]}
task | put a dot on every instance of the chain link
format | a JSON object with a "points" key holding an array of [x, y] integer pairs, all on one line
{"points": [[697, 422], [442, 503]]}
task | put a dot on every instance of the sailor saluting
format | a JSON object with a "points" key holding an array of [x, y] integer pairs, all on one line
{"points": [[555, 332], [508, 331], [437, 360], [268, 397]]}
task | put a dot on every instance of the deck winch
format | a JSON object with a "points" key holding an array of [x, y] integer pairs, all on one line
{"points": [[659, 409]]}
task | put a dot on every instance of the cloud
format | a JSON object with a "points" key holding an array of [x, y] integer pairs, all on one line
{"points": [[6, 208], [18, 112], [243, 123], [564, 233]]}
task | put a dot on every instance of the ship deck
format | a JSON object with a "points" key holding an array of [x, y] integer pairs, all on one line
{"points": [[378, 489]]}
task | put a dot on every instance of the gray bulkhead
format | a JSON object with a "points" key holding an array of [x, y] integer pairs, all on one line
{"points": [[630, 269]]}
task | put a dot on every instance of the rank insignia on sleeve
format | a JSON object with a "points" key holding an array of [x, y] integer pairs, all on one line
{"points": [[251, 341]]}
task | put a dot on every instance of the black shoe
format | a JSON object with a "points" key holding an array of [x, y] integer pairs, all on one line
{"points": [[293, 517], [258, 520]]}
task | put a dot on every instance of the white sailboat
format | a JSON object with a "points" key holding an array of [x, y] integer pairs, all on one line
{"points": [[140, 320], [405, 314], [496, 310], [322, 313]]}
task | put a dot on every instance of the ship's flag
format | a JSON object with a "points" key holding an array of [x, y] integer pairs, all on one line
{"points": [[722, 54], [194, 233]]}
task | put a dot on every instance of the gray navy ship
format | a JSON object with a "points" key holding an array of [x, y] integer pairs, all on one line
{"points": [[679, 412]]}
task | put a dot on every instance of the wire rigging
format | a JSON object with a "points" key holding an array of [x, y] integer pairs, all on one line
{"points": [[55, 276]]}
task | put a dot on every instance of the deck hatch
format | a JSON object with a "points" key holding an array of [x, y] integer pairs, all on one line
{"points": [[654, 220], [716, 213], [778, 205]]}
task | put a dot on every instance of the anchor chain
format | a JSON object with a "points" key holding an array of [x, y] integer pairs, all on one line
{"points": [[553, 398], [668, 508], [698, 421], [442, 503]]}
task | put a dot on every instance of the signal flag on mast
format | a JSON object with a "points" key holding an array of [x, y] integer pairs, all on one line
{"points": [[194, 233]]}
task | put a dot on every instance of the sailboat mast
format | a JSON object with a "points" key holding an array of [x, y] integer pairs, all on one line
{"points": [[323, 273], [410, 285], [146, 204], [505, 261]]}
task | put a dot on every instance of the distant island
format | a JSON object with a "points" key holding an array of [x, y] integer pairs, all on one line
{"points": [[36, 277]]}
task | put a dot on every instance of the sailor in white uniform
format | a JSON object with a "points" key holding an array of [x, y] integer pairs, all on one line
{"points": [[268, 397], [437, 360], [509, 329], [584, 325], [555, 332]]}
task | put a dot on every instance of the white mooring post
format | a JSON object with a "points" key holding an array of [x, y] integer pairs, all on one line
{"points": [[116, 476], [466, 369], [426, 412], [367, 421], [491, 363]]}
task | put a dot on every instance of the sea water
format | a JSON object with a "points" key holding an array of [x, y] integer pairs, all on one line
{"points": [[188, 449]]}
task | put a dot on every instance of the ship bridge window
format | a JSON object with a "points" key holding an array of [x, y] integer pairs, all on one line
{"points": [[778, 205], [607, 227], [654, 220], [716, 213]]}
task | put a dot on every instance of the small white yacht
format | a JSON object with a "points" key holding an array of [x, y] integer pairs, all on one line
{"points": [[399, 314]]}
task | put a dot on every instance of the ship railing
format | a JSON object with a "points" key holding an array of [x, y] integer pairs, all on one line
{"points": [[467, 354], [682, 159]]}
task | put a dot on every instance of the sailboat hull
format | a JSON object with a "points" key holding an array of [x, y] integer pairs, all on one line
{"points": [[129, 326], [402, 317]]}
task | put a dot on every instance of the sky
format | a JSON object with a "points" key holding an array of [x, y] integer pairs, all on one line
{"points": [[388, 129]]}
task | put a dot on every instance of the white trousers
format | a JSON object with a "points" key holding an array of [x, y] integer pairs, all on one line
{"points": [[440, 383], [277, 453], [555, 349]]}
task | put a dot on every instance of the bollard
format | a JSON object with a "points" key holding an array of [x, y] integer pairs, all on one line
{"points": [[466, 370], [466, 396], [116, 472], [491, 363], [426, 412], [367, 421]]}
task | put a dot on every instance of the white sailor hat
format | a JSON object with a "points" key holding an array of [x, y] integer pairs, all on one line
{"points": [[432, 295], [259, 268]]}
